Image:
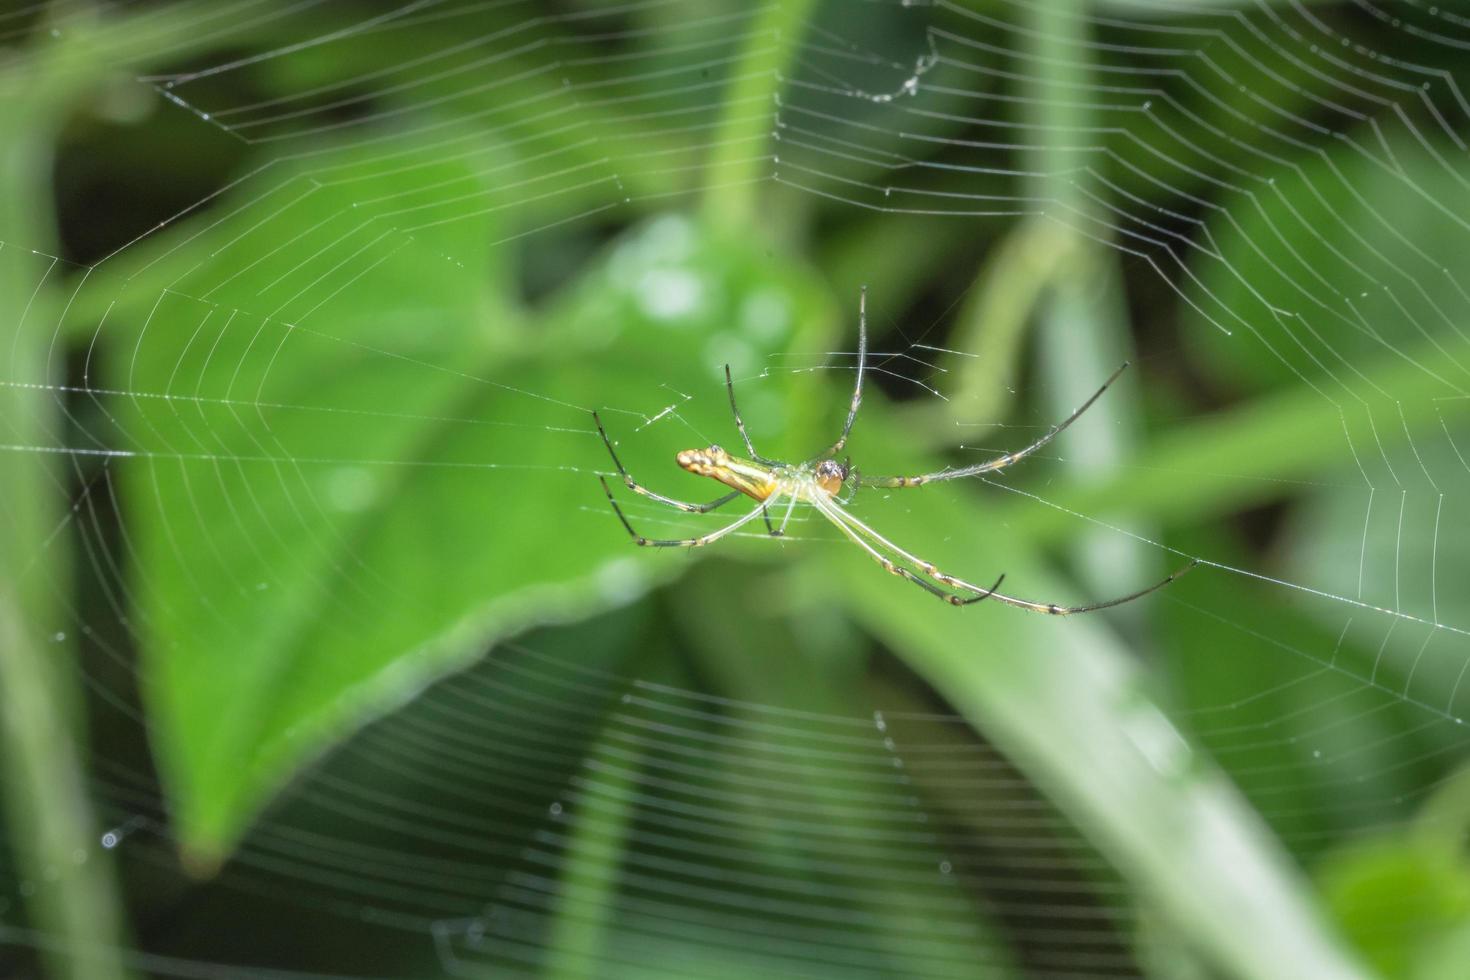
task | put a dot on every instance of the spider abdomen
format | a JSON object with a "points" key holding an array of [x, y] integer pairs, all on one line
{"points": [[747, 476]]}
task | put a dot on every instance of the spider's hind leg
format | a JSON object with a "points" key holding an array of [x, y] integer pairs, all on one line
{"points": [[698, 542], [638, 488]]}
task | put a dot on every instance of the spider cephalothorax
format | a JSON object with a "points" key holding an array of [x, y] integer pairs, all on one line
{"points": [[820, 480], [831, 475]]}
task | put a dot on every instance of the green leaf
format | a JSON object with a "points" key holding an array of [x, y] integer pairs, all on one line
{"points": [[1396, 900], [352, 465]]}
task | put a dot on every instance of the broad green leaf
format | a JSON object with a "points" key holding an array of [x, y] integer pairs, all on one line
{"points": [[1396, 900], [352, 464], [1403, 894]]}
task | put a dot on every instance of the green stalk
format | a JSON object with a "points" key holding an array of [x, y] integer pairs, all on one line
{"points": [[72, 894], [72, 890], [993, 323], [1083, 329], [739, 157], [586, 899], [1071, 708], [70, 882], [1226, 462]]}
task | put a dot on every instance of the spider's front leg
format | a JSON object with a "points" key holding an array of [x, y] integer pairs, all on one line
{"points": [[857, 388], [740, 423], [1000, 462]]}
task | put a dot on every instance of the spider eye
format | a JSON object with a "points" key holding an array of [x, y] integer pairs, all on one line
{"points": [[716, 451], [830, 469]]}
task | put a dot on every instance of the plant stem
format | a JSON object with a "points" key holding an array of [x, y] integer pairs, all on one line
{"points": [[1237, 459], [71, 889], [739, 157], [586, 899], [1083, 330], [1070, 707]]}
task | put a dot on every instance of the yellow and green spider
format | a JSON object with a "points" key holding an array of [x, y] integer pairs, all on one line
{"points": [[820, 481]]}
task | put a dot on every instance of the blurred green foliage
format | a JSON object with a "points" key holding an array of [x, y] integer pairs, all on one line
{"points": [[403, 415]]}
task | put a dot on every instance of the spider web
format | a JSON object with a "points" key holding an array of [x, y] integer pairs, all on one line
{"points": [[230, 392]]}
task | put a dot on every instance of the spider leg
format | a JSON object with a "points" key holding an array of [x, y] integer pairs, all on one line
{"points": [[740, 424], [1048, 608], [1052, 609], [698, 542], [837, 517], [631, 484], [790, 507], [857, 390], [771, 528], [1000, 462]]}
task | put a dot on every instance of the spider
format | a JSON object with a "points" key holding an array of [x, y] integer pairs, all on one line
{"points": [[820, 482]]}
